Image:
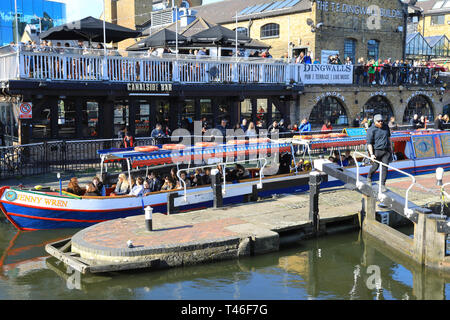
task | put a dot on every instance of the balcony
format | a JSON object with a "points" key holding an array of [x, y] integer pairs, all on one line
{"points": [[94, 66]]}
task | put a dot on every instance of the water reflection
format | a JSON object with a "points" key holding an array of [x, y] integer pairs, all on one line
{"points": [[346, 266]]}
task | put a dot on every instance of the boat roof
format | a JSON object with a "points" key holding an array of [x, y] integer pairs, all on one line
{"points": [[172, 156]]}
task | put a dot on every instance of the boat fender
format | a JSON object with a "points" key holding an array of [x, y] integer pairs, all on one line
{"points": [[173, 146], [146, 148]]}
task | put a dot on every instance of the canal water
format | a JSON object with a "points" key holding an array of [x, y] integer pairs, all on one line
{"points": [[342, 266]]}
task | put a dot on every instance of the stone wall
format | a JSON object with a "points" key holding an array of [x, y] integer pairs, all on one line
{"points": [[354, 98], [344, 20]]}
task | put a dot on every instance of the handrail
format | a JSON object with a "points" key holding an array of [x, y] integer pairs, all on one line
{"points": [[261, 175], [408, 212]]}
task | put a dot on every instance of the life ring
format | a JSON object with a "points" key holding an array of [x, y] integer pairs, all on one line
{"points": [[146, 148], [206, 144], [173, 146]]}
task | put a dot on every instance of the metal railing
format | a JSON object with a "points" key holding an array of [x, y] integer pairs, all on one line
{"points": [[408, 212], [76, 64]]}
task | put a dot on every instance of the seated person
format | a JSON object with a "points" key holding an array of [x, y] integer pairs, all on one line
{"points": [[91, 190], [183, 176], [350, 160], [100, 188], [197, 178], [154, 182], [285, 163], [138, 188], [206, 179], [122, 186], [147, 188], [299, 165], [240, 172], [343, 161], [307, 165], [74, 188], [169, 184]]}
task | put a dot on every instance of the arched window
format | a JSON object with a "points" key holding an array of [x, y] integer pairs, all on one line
{"points": [[328, 108], [420, 105], [373, 48], [377, 105], [270, 30]]}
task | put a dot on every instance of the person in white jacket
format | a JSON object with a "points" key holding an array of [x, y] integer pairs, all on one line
{"points": [[138, 188]]}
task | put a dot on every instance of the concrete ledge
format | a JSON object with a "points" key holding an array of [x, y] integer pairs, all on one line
{"points": [[261, 240]]}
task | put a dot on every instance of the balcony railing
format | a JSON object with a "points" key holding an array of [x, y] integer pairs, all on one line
{"points": [[94, 66]]}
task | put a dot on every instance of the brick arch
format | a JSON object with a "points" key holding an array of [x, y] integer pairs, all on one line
{"points": [[430, 103], [383, 97], [341, 101]]}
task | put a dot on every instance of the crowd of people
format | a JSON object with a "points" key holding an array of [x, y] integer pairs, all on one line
{"points": [[154, 182]]}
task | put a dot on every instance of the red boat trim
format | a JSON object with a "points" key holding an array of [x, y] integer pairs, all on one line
{"points": [[81, 210], [54, 219]]}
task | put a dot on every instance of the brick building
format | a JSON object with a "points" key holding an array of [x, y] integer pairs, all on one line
{"points": [[354, 28]]}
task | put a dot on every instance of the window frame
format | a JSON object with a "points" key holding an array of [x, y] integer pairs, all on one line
{"points": [[276, 30]]}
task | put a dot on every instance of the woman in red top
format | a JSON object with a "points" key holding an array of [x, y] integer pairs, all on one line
{"points": [[327, 127], [128, 140]]}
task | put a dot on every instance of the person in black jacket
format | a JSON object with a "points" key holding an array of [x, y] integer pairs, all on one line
{"points": [[438, 123], [379, 147]]}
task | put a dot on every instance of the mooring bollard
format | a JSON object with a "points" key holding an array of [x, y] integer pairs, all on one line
{"points": [[314, 190], [148, 218], [217, 189]]}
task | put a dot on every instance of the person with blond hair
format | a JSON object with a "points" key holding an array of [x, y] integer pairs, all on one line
{"points": [[122, 186]]}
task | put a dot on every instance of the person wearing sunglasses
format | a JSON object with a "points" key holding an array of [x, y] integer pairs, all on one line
{"points": [[379, 147]]}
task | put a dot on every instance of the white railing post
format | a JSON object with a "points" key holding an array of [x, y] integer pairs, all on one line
{"points": [[262, 72], [105, 74], [206, 68], [408, 212], [175, 71]]}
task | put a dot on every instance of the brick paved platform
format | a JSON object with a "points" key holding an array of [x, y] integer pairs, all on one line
{"points": [[230, 232]]}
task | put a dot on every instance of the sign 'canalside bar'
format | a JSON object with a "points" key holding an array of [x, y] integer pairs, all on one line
{"points": [[149, 87]]}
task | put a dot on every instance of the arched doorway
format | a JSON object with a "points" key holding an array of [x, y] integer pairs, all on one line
{"points": [[420, 105], [329, 108], [377, 105]]}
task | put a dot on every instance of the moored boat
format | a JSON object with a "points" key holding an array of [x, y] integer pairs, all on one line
{"points": [[417, 153]]}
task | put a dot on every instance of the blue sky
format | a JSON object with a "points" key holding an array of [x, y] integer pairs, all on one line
{"points": [[82, 8]]}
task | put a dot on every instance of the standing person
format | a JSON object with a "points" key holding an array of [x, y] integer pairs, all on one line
{"points": [[392, 124], [307, 59], [438, 123], [222, 127], [327, 127], [158, 134], [2, 134], [128, 140], [380, 148], [244, 126], [414, 122], [305, 126]]}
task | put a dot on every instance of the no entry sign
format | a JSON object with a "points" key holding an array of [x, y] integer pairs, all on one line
{"points": [[26, 110]]}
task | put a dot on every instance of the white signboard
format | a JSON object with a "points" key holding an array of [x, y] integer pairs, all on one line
{"points": [[26, 110], [326, 54], [326, 74]]}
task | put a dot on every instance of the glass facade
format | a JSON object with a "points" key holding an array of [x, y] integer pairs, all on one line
{"points": [[41, 13]]}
